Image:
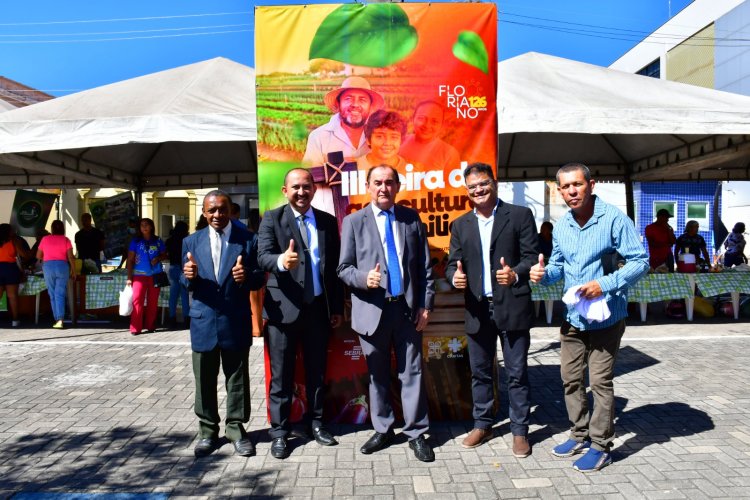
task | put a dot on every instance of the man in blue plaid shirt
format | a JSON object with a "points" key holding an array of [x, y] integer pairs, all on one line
{"points": [[586, 244]]}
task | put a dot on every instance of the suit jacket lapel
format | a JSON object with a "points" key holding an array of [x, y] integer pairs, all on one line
{"points": [[370, 225], [202, 254], [502, 216], [474, 254], [401, 227], [321, 241], [229, 255], [287, 217]]}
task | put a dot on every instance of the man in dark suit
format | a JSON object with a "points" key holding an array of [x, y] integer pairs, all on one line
{"points": [[385, 261], [492, 249], [221, 267], [299, 247]]}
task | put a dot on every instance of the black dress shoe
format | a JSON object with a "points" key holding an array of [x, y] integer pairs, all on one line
{"points": [[323, 437], [205, 447], [422, 450], [279, 448], [244, 447], [377, 442]]}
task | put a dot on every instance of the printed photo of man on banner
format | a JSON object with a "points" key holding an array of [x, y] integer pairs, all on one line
{"points": [[352, 86]]}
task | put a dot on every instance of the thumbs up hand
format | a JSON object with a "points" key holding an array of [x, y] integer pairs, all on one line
{"points": [[238, 271], [290, 258], [373, 277], [537, 270], [459, 278], [190, 269], [505, 276]]}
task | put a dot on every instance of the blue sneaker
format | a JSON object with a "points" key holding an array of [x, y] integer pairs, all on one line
{"points": [[571, 447], [592, 461]]}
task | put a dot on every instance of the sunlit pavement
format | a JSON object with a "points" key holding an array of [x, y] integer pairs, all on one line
{"points": [[93, 410]]}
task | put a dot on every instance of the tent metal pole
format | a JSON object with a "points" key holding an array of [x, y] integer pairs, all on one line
{"points": [[629, 197]]}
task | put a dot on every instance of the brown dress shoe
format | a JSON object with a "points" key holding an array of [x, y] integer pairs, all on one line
{"points": [[521, 447], [476, 437]]}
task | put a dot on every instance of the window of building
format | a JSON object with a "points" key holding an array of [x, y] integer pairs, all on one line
{"points": [[697, 210], [653, 69], [669, 206]]}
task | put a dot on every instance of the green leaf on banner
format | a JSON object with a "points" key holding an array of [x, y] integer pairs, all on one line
{"points": [[470, 49], [374, 36]]}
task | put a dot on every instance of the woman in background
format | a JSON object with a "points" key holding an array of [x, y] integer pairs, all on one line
{"points": [[145, 254], [10, 272], [735, 245], [694, 243], [56, 254], [176, 290]]}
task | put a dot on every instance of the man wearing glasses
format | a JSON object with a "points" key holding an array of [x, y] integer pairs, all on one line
{"points": [[492, 249]]}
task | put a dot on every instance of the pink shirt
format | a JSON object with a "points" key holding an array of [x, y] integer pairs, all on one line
{"points": [[55, 247]]}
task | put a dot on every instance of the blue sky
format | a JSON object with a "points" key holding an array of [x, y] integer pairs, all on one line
{"points": [[63, 47]]}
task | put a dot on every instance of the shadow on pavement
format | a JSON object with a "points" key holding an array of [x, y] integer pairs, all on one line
{"points": [[657, 423], [123, 460]]}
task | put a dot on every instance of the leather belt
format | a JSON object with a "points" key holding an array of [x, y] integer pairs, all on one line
{"points": [[389, 300]]}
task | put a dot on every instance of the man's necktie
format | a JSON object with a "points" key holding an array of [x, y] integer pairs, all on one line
{"points": [[394, 270], [309, 290], [216, 252]]}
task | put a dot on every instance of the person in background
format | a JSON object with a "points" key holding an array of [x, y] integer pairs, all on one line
{"points": [[145, 253], [10, 273], [660, 237], [693, 242], [176, 290], [234, 214], [735, 245], [545, 239], [202, 223], [56, 253], [89, 241]]}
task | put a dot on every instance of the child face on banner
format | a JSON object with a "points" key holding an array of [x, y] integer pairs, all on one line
{"points": [[384, 145]]}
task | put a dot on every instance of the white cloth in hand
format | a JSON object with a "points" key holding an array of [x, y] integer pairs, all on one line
{"points": [[594, 310]]}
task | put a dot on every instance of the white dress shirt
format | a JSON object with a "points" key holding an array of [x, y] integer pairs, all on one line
{"points": [[223, 242], [312, 229]]}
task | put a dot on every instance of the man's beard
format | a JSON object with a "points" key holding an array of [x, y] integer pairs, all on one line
{"points": [[351, 124]]}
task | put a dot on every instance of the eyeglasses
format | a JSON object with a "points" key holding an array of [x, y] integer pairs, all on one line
{"points": [[474, 187]]}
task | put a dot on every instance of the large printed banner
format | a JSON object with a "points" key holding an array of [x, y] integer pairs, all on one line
{"points": [[341, 88], [115, 216]]}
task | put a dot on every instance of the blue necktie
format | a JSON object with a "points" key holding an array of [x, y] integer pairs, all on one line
{"points": [[394, 271]]}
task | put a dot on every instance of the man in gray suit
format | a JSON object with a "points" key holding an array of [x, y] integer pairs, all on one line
{"points": [[385, 261]]}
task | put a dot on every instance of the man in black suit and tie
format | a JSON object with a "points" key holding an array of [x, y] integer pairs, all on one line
{"points": [[385, 261], [221, 267], [492, 249], [299, 247]]}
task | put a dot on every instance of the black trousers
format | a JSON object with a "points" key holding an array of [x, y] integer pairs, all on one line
{"points": [[482, 349], [311, 330], [206, 371]]}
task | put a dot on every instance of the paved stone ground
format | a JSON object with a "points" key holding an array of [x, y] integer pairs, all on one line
{"points": [[93, 410]]}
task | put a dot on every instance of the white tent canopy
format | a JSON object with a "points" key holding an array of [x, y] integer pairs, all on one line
{"points": [[5, 106], [195, 126], [624, 126], [190, 126]]}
